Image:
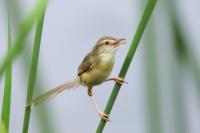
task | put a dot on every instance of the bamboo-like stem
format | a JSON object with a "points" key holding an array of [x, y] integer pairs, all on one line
{"points": [[24, 30], [141, 27], [5, 114], [33, 70]]}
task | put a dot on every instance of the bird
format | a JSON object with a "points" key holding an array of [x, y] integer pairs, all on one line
{"points": [[95, 69]]}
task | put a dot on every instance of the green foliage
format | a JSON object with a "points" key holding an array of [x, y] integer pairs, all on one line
{"points": [[3, 127], [24, 30], [33, 70], [152, 88], [5, 114], [182, 49], [183, 58]]}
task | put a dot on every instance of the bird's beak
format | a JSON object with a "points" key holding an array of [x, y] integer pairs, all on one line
{"points": [[119, 42]]}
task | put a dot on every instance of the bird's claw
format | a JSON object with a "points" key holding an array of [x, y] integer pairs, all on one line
{"points": [[105, 117], [120, 80]]}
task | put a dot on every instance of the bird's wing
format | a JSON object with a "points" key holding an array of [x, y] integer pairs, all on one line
{"points": [[86, 65]]}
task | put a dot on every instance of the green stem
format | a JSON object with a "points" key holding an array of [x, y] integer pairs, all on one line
{"points": [[43, 114], [182, 57], [5, 114], [143, 22], [152, 97], [24, 30], [181, 46], [33, 70]]}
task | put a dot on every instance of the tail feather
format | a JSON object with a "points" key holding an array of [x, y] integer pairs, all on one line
{"points": [[52, 93]]}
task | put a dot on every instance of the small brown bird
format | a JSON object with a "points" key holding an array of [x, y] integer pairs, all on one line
{"points": [[94, 70]]}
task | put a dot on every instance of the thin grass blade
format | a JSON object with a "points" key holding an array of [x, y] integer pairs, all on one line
{"points": [[141, 27], [33, 70], [3, 127], [181, 57], [44, 115], [152, 88], [5, 114], [25, 28]]}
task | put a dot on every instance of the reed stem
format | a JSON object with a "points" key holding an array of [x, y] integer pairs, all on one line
{"points": [[5, 114], [141, 27], [33, 70]]}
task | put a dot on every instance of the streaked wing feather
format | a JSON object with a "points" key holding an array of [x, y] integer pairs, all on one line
{"points": [[86, 64]]}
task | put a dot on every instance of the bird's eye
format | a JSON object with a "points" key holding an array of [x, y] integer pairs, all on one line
{"points": [[107, 42]]}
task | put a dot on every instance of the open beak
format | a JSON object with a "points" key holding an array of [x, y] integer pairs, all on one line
{"points": [[119, 42]]}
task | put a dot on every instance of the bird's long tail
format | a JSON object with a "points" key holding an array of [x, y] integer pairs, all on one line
{"points": [[52, 93]]}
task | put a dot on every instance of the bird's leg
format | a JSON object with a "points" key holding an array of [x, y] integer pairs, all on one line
{"points": [[117, 79], [101, 114]]}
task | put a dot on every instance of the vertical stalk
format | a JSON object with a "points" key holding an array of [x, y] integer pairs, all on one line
{"points": [[24, 30], [181, 56], [152, 83], [43, 114], [141, 27], [33, 70], [2, 127], [5, 114], [182, 48]]}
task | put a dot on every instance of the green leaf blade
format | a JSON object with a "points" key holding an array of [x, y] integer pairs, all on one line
{"points": [[33, 70], [5, 114], [145, 18]]}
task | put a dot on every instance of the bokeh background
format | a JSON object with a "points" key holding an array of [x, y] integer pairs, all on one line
{"points": [[163, 90]]}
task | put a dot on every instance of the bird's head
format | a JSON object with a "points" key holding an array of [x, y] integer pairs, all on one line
{"points": [[108, 45]]}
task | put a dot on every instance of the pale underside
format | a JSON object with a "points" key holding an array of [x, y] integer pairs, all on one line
{"points": [[95, 70]]}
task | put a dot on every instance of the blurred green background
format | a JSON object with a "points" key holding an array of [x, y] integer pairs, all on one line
{"points": [[163, 90]]}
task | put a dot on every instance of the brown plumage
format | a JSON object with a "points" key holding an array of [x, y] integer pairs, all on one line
{"points": [[93, 70]]}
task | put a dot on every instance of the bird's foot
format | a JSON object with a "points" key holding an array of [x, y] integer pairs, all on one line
{"points": [[104, 116], [118, 80]]}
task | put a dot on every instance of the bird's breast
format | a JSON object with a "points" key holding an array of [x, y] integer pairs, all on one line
{"points": [[100, 71]]}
